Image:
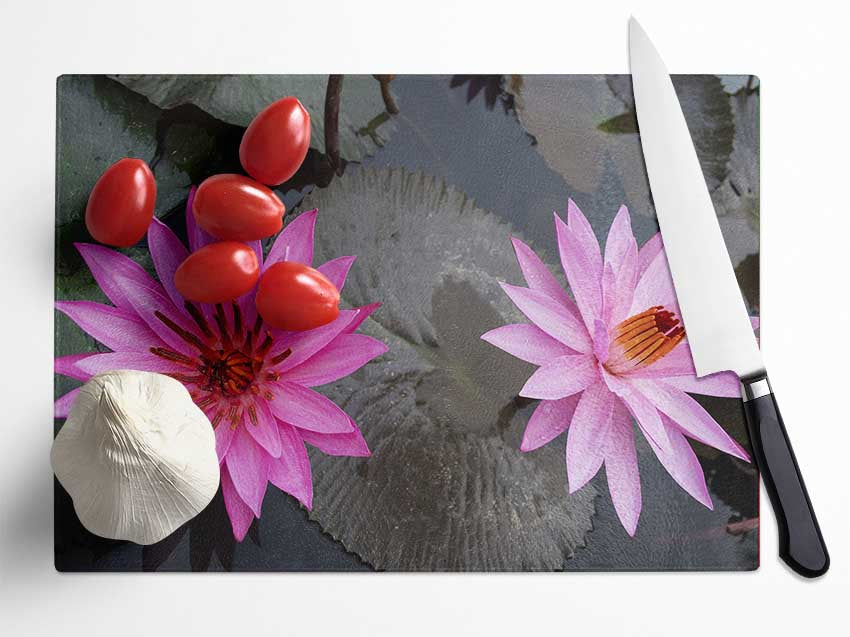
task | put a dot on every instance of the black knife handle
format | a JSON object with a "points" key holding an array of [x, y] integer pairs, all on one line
{"points": [[801, 544]]}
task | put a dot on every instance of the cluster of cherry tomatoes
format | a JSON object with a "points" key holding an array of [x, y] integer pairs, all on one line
{"points": [[233, 209]]}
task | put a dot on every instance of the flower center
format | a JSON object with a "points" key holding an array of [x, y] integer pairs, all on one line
{"points": [[643, 339], [230, 365], [231, 373]]}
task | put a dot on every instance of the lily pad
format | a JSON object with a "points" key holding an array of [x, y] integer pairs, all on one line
{"points": [[734, 83], [491, 85], [183, 147], [236, 99], [739, 193], [446, 487], [100, 122], [563, 117], [708, 113], [586, 124], [747, 272]]}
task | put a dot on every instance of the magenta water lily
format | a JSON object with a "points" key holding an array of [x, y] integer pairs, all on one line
{"points": [[253, 382], [614, 353]]}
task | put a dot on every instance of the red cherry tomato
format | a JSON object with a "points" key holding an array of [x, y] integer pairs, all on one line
{"points": [[295, 297], [218, 272], [120, 206], [276, 142], [237, 208]]}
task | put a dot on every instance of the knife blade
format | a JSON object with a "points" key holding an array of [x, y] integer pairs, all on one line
{"points": [[716, 322]]}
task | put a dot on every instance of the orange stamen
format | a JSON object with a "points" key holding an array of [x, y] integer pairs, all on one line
{"points": [[643, 339]]}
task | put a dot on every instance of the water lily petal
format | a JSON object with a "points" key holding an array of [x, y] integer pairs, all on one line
{"points": [[264, 431], [621, 470], [240, 514], [307, 343], [363, 312], [561, 377], [109, 267], [224, 433], [67, 366], [585, 279], [148, 299], [682, 464], [336, 270], [117, 328], [627, 278], [295, 241], [350, 444], [291, 472], [539, 277], [167, 253], [247, 302], [139, 361], [344, 355], [526, 342], [620, 239], [248, 464], [641, 408], [724, 384], [303, 408], [689, 416], [63, 404], [621, 254], [198, 237], [655, 287], [600, 340], [583, 232], [648, 252], [550, 316], [587, 435], [609, 296], [549, 420]]}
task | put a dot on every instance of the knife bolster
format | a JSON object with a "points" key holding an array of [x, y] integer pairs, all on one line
{"points": [[752, 388]]}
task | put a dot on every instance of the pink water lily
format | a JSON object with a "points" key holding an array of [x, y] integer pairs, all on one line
{"points": [[614, 353], [253, 382]]}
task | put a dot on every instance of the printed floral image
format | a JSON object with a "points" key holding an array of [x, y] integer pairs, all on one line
{"points": [[613, 353], [252, 381], [396, 438]]}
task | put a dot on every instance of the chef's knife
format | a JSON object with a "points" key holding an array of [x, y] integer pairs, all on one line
{"points": [[716, 322]]}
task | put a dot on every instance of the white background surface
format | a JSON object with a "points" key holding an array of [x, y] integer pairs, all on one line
{"points": [[801, 54]]}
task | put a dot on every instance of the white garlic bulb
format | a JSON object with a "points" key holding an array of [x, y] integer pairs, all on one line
{"points": [[136, 455]]}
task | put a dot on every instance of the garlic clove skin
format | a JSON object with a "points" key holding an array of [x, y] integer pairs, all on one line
{"points": [[136, 455]]}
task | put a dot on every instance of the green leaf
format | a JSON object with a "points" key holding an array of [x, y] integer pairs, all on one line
{"points": [[620, 124], [236, 99], [447, 487]]}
